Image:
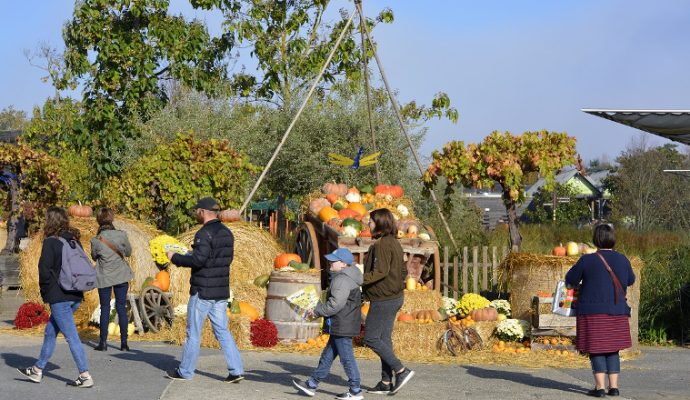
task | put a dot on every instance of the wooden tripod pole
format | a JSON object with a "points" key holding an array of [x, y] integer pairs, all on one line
{"points": [[299, 112], [394, 103]]}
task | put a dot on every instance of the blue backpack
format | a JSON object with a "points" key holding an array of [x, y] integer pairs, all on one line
{"points": [[77, 273]]}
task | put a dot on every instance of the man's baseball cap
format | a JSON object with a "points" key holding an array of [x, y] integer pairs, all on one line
{"points": [[341, 254], [207, 203]]}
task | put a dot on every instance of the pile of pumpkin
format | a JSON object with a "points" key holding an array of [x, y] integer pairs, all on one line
{"points": [[510, 347], [346, 209], [421, 316], [311, 343], [161, 281]]}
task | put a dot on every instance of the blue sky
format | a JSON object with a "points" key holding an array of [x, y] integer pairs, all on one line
{"points": [[507, 65]]}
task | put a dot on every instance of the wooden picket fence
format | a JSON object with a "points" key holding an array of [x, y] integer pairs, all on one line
{"points": [[460, 275]]}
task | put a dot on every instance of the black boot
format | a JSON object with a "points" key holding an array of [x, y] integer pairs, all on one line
{"points": [[124, 347], [102, 346]]}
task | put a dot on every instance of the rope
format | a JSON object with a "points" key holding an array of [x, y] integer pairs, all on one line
{"points": [[394, 103], [299, 112]]}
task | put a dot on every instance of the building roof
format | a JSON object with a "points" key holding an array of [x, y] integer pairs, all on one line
{"points": [[564, 178], [670, 124]]}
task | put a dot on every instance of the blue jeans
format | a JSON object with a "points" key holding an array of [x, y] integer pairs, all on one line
{"points": [[62, 320], [337, 346], [120, 301], [609, 363], [197, 310]]}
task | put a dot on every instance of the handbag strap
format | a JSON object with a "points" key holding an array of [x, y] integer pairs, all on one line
{"points": [[111, 246], [616, 282]]}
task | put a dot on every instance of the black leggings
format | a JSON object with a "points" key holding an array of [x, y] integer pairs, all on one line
{"points": [[120, 301]]}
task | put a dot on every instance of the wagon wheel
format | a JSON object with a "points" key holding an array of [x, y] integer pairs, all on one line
{"points": [[306, 245], [155, 308]]}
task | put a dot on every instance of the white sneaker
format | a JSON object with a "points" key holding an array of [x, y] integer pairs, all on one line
{"points": [[350, 396]]}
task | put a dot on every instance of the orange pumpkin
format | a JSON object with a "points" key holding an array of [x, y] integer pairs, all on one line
{"points": [[316, 205], [484, 314], [349, 213], [339, 189], [353, 190], [162, 280], [80, 211], [282, 260], [365, 310], [332, 198], [365, 234], [229, 215], [393, 190], [358, 207], [406, 317], [327, 213], [559, 251], [248, 311]]}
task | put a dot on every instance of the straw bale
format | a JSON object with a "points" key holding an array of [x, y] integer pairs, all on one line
{"points": [[485, 329], [421, 300], [141, 262], [238, 325], [255, 250]]}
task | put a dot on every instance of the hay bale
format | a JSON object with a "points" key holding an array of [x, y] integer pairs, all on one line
{"points": [[416, 341], [140, 261], [421, 300], [529, 273], [255, 250], [485, 329], [239, 328]]}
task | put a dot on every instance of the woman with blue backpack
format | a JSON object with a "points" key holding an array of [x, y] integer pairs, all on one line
{"points": [[53, 277]]}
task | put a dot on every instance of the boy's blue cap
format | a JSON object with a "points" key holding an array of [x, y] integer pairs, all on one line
{"points": [[341, 254]]}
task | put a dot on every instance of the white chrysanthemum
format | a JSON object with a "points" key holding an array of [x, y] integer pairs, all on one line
{"points": [[501, 306]]}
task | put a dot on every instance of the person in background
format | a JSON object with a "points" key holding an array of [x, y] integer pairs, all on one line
{"points": [[384, 275], [213, 251], [342, 308], [62, 303], [109, 248], [602, 311]]}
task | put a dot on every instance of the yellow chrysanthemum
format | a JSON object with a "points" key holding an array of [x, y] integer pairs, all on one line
{"points": [[161, 244]]}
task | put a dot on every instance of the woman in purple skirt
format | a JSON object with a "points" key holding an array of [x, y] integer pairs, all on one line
{"points": [[602, 311]]}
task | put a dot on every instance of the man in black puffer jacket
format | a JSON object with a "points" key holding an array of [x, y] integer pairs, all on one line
{"points": [[210, 260]]}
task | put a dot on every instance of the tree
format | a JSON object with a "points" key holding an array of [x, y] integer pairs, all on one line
{"points": [[504, 159], [541, 211], [12, 119], [164, 185], [645, 196], [33, 183], [120, 51]]}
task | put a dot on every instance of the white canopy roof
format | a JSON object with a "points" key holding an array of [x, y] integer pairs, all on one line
{"points": [[670, 124]]}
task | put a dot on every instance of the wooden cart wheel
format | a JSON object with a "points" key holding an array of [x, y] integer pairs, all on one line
{"points": [[306, 245], [155, 308]]}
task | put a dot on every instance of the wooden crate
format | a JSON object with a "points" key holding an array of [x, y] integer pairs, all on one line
{"points": [[538, 333], [547, 320]]}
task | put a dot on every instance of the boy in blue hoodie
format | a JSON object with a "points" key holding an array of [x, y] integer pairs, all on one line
{"points": [[343, 309]]}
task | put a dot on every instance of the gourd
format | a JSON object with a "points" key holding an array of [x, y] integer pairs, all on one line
{"points": [[348, 213], [261, 280], [559, 251], [484, 314], [339, 189], [229, 215], [359, 208], [406, 317], [327, 213], [316, 205], [394, 191], [248, 311], [162, 280], [80, 211]]}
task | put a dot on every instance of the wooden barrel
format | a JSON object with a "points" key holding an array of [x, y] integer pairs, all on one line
{"points": [[291, 327]]}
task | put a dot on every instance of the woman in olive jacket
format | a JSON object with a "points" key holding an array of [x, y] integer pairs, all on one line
{"points": [[109, 249], [384, 275]]}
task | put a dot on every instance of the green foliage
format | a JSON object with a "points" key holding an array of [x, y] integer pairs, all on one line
{"points": [[647, 197], [11, 119], [40, 185], [572, 212], [77, 177], [504, 159], [164, 185], [120, 50], [57, 126]]}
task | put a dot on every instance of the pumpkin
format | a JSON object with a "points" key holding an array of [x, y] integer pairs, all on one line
{"points": [[353, 223], [406, 317], [559, 251], [358, 207], [339, 204], [339, 189], [484, 314], [353, 190], [162, 280], [80, 211], [348, 213], [316, 205], [365, 310], [247, 310], [394, 191], [368, 189], [332, 198], [335, 223], [327, 213], [283, 260], [365, 234], [229, 215], [353, 197]]}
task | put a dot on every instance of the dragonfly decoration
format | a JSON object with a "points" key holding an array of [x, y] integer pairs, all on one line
{"points": [[357, 162]]}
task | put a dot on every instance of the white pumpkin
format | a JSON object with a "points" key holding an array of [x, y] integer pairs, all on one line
{"points": [[404, 212], [424, 236], [353, 197], [350, 231]]}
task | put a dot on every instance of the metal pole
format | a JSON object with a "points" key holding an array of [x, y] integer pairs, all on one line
{"points": [[299, 112], [394, 103]]}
